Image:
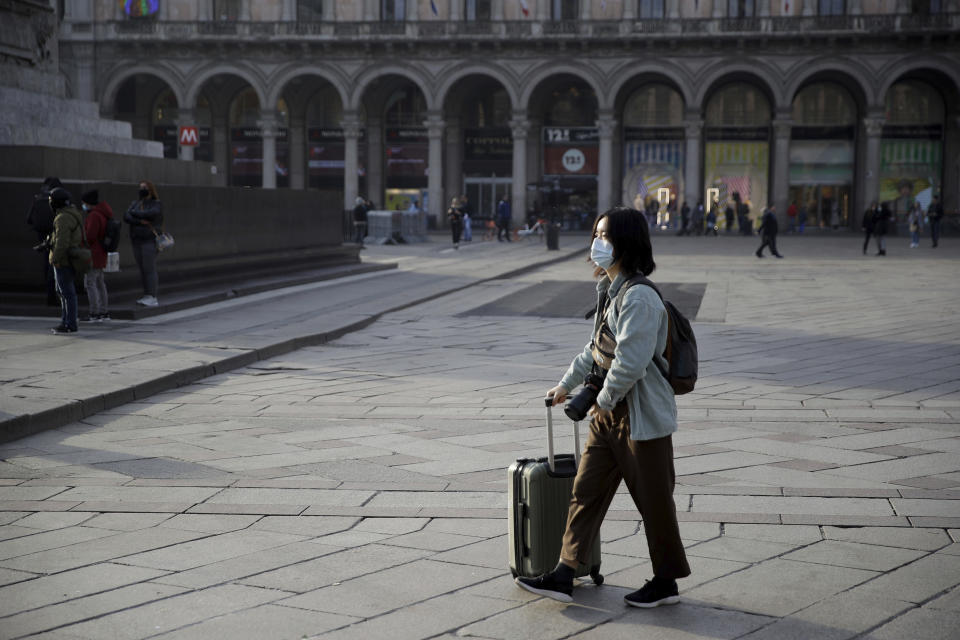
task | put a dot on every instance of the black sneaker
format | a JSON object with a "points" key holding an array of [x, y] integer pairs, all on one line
{"points": [[653, 594], [62, 328], [547, 585]]}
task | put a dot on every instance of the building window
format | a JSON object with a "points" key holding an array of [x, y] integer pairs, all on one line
{"points": [[393, 10], [926, 7], [310, 10], [740, 8], [226, 9], [566, 9], [650, 9], [477, 10], [832, 7]]}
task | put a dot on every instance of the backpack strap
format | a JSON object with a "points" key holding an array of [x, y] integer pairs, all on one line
{"points": [[643, 280]]}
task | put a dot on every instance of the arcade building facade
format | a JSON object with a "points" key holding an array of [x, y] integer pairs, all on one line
{"points": [[557, 105]]}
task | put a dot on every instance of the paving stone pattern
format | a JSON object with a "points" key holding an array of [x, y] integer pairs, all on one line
{"points": [[357, 489]]}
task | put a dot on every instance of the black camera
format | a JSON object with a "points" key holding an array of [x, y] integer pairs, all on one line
{"points": [[580, 404]]}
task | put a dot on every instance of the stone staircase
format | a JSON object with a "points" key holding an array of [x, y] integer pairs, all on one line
{"points": [[40, 120]]}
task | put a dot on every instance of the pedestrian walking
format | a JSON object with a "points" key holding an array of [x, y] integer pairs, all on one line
{"points": [[730, 216], [455, 216], [867, 224], [935, 216], [633, 419], [67, 236], [698, 216], [915, 222], [881, 222], [40, 219], [145, 217], [503, 220], [95, 226], [684, 219], [768, 232], [360, 210]]}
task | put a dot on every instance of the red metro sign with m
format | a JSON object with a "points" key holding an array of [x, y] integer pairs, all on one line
{"points": [[189, 137]]}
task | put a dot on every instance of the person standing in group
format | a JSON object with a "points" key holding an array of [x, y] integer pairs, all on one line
{"points": [[698, 215], [867, 225], [503, 219], [455, 216], [881, 224], [768, 232], [915, 222], [359, 221], [802, 219], [633, 419], [684, 219], [98, 213], [40, 220], [145, 217], [792, 217], [67, 234], [935, 215], [712, 218], [730, 216]]}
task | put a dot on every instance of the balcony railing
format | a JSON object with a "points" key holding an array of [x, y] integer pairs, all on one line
{"points": [[521, 29]]}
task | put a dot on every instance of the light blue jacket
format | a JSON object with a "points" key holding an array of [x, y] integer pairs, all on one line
{"points": [[641, 331]]}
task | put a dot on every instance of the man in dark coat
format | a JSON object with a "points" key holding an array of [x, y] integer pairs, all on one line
{"points": [[881, 224], [935, 215], [40, 220], [768, 232], [867, 224], [684, 220], [360, 221], [95, 227]]}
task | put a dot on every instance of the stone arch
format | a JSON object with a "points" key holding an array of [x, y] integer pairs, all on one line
{"points": [[368, 76], [658, 71], [534, 78], [282, 78], [197, 80], [856, 76], [118, 76], [756, 71], [450, 78], [939, 66]]}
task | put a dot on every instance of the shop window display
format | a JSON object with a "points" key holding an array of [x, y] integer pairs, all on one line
{"points": [[911, 151], [737, 151]]}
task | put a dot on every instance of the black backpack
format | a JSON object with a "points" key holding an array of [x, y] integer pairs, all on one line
{"points": [[681, 351], [111, 235]]}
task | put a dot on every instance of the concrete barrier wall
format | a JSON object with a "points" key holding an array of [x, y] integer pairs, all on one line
{"points": [[214, 227]]}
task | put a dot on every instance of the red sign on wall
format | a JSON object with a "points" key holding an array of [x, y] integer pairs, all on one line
{"points": [[569, 160], [189, 137]]}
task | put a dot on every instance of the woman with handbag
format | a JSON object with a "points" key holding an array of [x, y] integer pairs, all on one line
{"points": [[145, 217]]}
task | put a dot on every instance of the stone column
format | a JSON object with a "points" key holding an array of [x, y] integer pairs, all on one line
{"points": [[186, 118], [780, 192], [855, 7], [455, 11], [496, 10], [329, 11], [269, 125], [519, 129], [289, 11], [351, 145], [606, 125], [205, 10], [719, 8], [371, 10], [412, 8], [435, 128], [375, 160], [873, 128], [585, 10], [763, 8], [244, 11], [542, 11], [809, 7], [672, 8], [630, 10], [297, 139], [693, 158], [453, 169]]}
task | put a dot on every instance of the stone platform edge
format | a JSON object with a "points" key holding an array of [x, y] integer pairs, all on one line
{"points": [[20, 426]]}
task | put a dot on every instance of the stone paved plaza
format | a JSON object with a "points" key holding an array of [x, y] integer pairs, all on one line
{"points": [[357, 488]]}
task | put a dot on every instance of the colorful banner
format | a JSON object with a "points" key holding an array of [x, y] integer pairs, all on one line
{"points": [[910, 170], [738, 166], [650, 166]]}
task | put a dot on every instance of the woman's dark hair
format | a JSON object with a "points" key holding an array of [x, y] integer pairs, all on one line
{"points": [[630, 236]]}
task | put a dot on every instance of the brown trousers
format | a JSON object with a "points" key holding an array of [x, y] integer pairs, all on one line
{"points": [[646, 466]]}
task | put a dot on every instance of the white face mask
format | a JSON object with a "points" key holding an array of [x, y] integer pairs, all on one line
{"points": [[85, 206], [601, 252]]}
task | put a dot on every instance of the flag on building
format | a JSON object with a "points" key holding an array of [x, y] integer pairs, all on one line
{"points": [[525, 8], [433, 7]]}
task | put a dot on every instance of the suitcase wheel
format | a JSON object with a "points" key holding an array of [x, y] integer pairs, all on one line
{"points": [[595, 576]]}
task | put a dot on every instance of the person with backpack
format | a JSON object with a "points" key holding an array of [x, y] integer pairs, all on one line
{"points": [[99, 219], [145, 217], [66, 239], [634, 414], [40, 219]]}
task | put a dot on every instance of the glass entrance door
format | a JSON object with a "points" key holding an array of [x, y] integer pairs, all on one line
{"points": [[484, 193], [827, 206]]}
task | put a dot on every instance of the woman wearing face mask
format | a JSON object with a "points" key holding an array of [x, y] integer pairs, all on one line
{"points": [[145, 217], [633, 419]]}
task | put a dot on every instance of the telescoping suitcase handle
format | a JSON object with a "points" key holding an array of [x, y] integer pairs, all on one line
{"points": [[576, 437]]}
